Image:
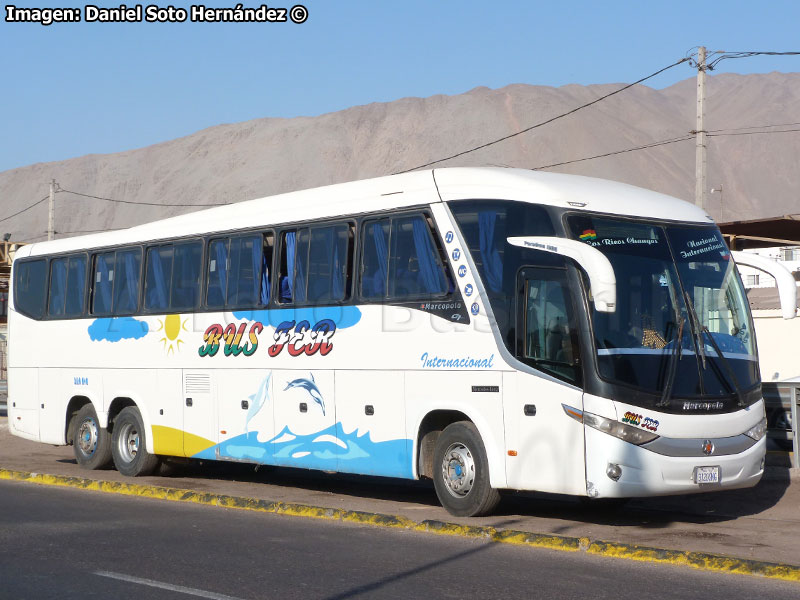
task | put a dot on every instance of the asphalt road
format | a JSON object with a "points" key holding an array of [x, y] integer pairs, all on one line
{"points": [[66, 543]]}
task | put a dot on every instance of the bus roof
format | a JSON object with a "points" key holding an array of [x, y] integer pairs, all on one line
{"points": [[398, 191]]}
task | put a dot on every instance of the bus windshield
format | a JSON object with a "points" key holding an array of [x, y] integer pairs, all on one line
{"points": [[681, 320]]}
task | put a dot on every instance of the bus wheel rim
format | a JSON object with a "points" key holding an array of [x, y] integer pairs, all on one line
{"points": [[128, 445], [87, 436], [458, 470]]}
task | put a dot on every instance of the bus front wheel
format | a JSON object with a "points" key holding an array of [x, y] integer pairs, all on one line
{"points": [[90, 442], [461, 472], [128, 445]]}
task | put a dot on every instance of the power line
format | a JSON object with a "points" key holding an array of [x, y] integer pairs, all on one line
{"points": [[675, 140], [644, 147], [24, 209], [527, 129], [752, 132], [727, 55], [751, 127], [60, 189]]}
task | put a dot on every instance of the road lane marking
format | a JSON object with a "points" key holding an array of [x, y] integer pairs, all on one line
{"points": [[165, 586]]}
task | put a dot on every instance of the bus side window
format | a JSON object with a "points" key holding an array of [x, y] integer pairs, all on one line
{"points": [[30, 279], [238, 271], [415, 266], [549, 336], [126, 289], [328, 263], [375, 259], [186, 276], [294, 267], [401, 261], [103, 283], [76, 286], [218, 273], [246, 281], [158, 277], [67, 286], [58, 287]]}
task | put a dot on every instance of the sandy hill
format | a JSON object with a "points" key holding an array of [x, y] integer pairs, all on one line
{"points": [[230, 163]]}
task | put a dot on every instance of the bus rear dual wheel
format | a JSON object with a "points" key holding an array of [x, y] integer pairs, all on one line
{"points": [[461, 472], [128, 444], [91, 443]]}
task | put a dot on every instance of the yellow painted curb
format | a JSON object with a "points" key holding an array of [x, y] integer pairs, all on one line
{"points": [[696, 560]]}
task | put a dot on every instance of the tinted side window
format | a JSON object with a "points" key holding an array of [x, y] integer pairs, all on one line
{"points": [[126, 287], [401, 261], [328, 261], [415, 267], [249, 280], [76, 286], [186, 276], [58, 287], [485, 225], [103, 283], [158, 278], [375, 259], [29, 287], [549, 338], [294, 266], [218, 272], [238, 271], [315, 264]]}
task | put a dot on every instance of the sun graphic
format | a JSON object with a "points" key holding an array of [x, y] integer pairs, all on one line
{"points": [[172, 325]]}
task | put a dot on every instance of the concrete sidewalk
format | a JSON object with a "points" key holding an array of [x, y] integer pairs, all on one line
{"points": [[759, 524]]}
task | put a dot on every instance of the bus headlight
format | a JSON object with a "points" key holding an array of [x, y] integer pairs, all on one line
{"points": [[627, 433], [757, 431]]}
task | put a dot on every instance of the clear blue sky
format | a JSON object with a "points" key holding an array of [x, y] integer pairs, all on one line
{"points": [[74, 89]]}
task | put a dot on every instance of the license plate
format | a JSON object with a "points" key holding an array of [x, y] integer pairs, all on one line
{"points": [[706, 475]]}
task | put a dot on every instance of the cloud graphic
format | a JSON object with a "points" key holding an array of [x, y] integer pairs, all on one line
{"points": [[118, 328]]}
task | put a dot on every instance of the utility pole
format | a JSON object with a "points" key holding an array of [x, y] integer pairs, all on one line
{"points": [[700, 132], [51, 217]]}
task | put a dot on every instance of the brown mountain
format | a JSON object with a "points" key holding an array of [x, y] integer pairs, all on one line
{"points": [[229, 163]]}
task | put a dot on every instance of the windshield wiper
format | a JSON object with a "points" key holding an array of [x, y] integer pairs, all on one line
{"points": [[696, 328], [677, 354], [701, 329]]}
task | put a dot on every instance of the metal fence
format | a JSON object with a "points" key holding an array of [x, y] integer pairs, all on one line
{"points": [[782, 402]]}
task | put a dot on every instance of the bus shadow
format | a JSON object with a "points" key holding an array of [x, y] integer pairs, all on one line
{"points": [[515, 507], [339, 484], [657, 512]]}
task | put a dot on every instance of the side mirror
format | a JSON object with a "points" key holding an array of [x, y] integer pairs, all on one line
{"points": [[602, 281], [787, 288]]}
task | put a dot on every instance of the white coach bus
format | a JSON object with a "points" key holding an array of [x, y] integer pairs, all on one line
{"points": [[487, 328]]}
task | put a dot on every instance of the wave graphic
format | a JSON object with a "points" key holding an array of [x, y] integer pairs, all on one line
{"points": [[330, 449]]}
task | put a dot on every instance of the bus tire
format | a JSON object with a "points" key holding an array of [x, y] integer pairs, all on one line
{"points": [[461, 472], [128, 445], [90, 442]]}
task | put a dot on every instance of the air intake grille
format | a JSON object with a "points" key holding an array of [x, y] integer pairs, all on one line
{"points": [[197, 383]]}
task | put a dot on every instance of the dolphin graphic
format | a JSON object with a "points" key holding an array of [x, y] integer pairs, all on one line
{"points": [[311, 387], [258, 400]]}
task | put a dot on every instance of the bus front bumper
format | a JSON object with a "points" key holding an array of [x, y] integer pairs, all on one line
{"points": [[618, 469]]}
